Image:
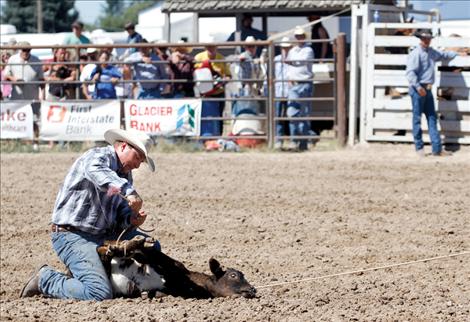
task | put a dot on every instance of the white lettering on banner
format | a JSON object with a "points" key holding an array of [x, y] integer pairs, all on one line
{"points": [[78, 121], [16, 120], [164, 117]]}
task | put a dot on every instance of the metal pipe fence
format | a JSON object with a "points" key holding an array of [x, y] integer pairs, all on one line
{"points": [[267, 81]]}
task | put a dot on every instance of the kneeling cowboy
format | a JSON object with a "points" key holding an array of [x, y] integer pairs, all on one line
{"points": [[97, 202]]}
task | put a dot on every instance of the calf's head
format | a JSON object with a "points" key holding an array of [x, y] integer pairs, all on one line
{"points": [[229, 282]]}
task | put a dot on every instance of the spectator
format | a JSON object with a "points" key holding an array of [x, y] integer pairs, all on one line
{"points": [[20, 69], [76, 38], [249, 68], [220, 71], [162, 53], [321, 50], [300, 75], [420, 75], [182, 67], [105, 77], [88, 211], [248, 30], [59, 73], [5, 89], [281, 88], [146, 68], [85, 75], [133, 38]]}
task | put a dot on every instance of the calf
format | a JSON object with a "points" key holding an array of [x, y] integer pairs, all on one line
{"points": [[135, 267]]}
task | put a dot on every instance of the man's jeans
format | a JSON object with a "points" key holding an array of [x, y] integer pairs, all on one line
{"points": [[149, 93], [425, 104], [280, 107], [77, 250], [300, 109]]}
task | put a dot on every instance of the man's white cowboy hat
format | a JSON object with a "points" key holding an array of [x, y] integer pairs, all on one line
{"points": [[137, 139], [299, 31], [250, 39], [285, 42]]}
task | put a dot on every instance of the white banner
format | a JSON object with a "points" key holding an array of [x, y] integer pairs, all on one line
{"points": [[164, 117], [78, 121], [16, 120]]}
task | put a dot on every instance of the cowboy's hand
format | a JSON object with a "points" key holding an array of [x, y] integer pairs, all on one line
{"points": [[135, 202], [138, 218], [421, 91]]}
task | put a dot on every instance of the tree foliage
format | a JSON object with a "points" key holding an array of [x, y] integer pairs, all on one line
{"points": [[116, 21], [57, 15]]}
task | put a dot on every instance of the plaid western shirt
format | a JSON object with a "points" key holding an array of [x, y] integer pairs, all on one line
{"points": [[83, 201]]}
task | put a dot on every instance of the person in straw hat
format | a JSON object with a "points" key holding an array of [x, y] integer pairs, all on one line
{"points": [[281, 88], [97, 201], [420, 75], [301, 77]]}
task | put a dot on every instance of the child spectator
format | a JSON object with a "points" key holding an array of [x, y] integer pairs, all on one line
{"points": [[105, 77]]}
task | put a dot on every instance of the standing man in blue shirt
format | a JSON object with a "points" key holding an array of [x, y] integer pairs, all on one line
{"points": [[420, 75], [247, 30], [97, 202], [147, 67]]}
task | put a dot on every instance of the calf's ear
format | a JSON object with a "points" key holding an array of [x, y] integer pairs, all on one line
{"points": [[215, 267]]}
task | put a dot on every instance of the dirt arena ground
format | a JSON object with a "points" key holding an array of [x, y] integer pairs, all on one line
{"points": [[278, 217]]}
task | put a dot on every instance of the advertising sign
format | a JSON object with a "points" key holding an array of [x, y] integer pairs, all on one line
{"points": [[164, 117], [16, 120], [78, 121]]}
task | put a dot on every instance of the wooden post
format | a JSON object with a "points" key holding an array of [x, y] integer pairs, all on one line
{"points": [[340, 88], [39, 16]]}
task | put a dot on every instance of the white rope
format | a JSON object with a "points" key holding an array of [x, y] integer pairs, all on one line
{"points": [[284, 33], [366, 270]]}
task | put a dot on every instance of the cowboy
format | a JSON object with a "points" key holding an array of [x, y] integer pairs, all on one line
{"points": [[420, 75], [300, 75], [97, 202]]}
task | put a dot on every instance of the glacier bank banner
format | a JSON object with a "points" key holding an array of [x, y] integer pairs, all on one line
{"points": [[164, 117]]}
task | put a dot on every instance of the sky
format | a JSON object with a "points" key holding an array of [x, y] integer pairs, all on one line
{"points": [[450, 9], [90, 10]]}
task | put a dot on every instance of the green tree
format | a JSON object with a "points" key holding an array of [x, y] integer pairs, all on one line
{"points": [[57, 15], [113, 22]]}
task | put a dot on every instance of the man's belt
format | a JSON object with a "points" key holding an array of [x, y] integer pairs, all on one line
{"points": [[62, 228], [427, 86]]}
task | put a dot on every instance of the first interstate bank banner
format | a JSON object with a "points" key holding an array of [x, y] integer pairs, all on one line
{"points": [[78, 121]]}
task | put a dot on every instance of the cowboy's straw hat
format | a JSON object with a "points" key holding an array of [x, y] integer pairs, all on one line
{"points": [[285, 42], [137, 139]]}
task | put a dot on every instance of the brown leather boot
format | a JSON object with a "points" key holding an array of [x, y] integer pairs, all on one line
{"points": [[32, 286]]}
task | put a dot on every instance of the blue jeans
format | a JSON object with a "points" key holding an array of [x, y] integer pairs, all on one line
{"points": [[300, 109], [280, 106], [211, 108], [77, 250], [149, 93], [425, 104]]}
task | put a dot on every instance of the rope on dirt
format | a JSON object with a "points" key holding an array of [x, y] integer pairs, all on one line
{"points": [[367, 269]]}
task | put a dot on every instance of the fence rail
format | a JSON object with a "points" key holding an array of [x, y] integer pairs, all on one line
{"points": [[267, 115]]}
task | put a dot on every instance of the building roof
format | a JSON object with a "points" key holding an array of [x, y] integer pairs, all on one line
{"points": [[254, 5]]}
